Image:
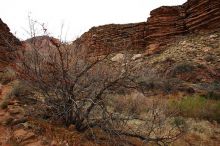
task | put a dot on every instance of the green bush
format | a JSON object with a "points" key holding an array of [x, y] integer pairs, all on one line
{"points": [[197, 107]]}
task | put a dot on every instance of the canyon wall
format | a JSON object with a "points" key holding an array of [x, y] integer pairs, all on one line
{"points": [[161, 27], [8, 45], [114, 37]]}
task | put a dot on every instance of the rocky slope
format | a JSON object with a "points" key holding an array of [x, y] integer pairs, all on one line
{"points": [[42, 43], [8, 44], [164, 24], [192, 60]]}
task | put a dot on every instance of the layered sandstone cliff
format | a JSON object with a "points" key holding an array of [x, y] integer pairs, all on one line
{"points": [[202, 14], [161, 27], [8, 45], [114, 37]]}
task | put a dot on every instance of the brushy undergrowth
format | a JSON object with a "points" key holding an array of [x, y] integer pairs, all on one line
{"points": [[197, 107], [7, 76]]}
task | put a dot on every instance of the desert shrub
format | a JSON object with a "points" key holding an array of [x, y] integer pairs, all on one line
{"points": [[182, 68], [133, 104], [149, 80], [171, 84], [210, 58], [5, 101], [4, 104], [197, 107], [74, 88], [19, 88], [192, 106], [19, 91], [158, 84], [213, 95], [6, 76]]}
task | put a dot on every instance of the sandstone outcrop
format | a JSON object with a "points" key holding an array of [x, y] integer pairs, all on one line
{"points": [[8, 45], [114, 37], [42, 43], [202, 14], [163, 25]]}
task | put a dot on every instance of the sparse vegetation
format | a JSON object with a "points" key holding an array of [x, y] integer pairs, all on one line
{"points": [[75, 91], [104, 102], [5, 100], [182, 68], [7, 76], [197, 107], [4, 104]]}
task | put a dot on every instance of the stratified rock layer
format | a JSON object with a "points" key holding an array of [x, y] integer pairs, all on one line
{"points": [[163, 25], [114, 37], [202, 14], [8, 45]]}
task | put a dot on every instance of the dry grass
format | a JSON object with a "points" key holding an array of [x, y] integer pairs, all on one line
{"points": [[61, 135]]}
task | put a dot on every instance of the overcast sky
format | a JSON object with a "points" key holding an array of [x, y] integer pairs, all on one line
{"points": [[76, 15]]}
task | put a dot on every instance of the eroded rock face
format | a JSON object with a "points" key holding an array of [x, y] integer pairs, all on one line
{"points": [[41, 43], [202, 14], [165, 22], [163, 25], [114, 37], [8, 45]]}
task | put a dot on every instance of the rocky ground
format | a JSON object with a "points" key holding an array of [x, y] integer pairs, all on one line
{"points": [[193, 60], [18, 129], [14, 128]]}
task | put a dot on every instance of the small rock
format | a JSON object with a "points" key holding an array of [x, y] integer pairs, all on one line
{"points": [[152, 48], [213, 36], [136, 56], [23, 135], [118, 57], [37, 143], [183, 43], [53, 143], [19, 121], [71, 127], [206, 49]]}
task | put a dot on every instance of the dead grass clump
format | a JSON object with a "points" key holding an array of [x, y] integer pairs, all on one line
{"points": [[134, 103], [58, 134]]}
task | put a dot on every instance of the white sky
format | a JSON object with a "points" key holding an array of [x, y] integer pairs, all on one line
{"points": [[77, 15]]}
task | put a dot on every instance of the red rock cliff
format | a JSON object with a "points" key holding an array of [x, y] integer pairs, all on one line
{"points": [[114, 37], [8, 44], [164, 23]]}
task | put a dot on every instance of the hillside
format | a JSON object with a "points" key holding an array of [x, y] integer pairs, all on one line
{"points": [[193, 59], [149, 83], [8, 44]]}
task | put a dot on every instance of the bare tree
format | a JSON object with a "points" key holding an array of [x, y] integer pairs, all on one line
{"points": [[75, 89]]}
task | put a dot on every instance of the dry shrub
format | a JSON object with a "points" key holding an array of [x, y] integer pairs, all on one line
{"points": [[75, 90], [134, 103], [7, 76]]}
